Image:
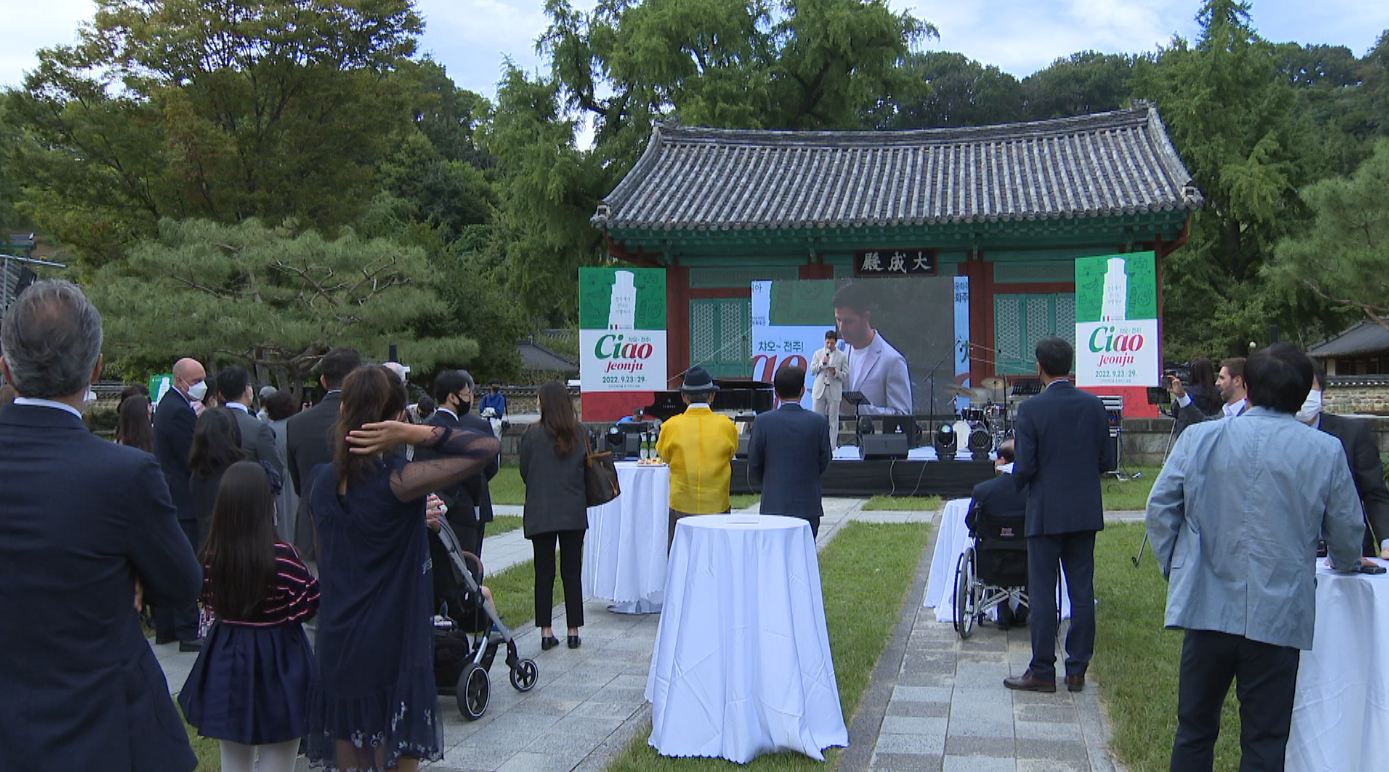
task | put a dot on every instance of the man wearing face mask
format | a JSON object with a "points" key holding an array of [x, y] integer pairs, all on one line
{"points": [[1000, 498], [174, 420], [469, 502], [1362, 454]]}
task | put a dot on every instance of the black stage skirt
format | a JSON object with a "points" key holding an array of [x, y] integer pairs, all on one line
{"points": [[251, 685]]}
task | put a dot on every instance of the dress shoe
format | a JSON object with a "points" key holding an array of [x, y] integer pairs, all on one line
{"points": [[192, 646], [1075, 683], [160, 640], [1030, 683], [548, 642], [573, 641]]}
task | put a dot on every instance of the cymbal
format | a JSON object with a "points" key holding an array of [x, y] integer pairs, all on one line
{"points": [[973, 395], [993, 384]]}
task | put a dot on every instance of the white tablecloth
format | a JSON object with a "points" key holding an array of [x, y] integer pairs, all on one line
{"points": [[950, 545], [625, 548], [1341, 712], [742, 660]]}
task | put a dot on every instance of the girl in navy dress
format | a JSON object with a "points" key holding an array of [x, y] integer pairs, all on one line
{"points": [[251, 684], [376, 706]]}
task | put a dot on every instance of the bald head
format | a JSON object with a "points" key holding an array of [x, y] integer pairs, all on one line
{"points": [[187, 373]]}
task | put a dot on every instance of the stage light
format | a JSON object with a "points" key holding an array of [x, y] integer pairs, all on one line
{"points": [[945, 441], [865, 425], [980, 442]]}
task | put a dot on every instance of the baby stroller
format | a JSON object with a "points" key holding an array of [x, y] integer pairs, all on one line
{"points": [[468, 632], [992, 571]]}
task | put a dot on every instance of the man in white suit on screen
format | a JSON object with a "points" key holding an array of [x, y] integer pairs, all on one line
{"points": [[876, 369], [829, 366]]}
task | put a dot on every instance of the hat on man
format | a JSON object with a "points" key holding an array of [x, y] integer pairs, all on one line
{"points": [[266, 391], [698, 381]]}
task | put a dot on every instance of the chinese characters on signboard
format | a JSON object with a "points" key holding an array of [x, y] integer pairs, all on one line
{"points": [[895, 262]]}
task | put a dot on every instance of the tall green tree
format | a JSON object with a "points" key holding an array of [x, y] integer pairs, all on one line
{"points": [[273, 298], [1084, 82], [227, 110], [618, 69], [1230, 116], [956, 91], [1342, 258]]}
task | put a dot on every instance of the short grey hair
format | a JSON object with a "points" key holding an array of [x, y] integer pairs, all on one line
{"points": [[51, 340]]}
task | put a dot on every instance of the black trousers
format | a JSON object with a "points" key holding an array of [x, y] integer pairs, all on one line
{"points": [[1265, 677], [179, 623], [1075, 552], [571, 570]]}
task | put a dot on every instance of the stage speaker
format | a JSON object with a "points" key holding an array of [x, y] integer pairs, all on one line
{"points": [[742, 451], [884, 445]]}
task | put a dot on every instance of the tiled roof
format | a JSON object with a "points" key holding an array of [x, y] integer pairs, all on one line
{"points": [[1364, 338], [1102, 165]]}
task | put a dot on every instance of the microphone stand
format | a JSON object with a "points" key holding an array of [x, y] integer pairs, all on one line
{"points": [[931, 380]]}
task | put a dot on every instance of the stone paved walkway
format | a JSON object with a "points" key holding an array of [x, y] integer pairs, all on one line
{"points": [[935, 703]]}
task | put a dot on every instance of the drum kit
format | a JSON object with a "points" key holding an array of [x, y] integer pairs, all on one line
{"points": [[989, 416]]}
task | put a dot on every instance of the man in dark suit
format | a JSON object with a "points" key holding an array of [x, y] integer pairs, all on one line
{"points": [[309, 439], [86, 522], [1062, 446], [257, 438], [174, 420], [1229, 384], [789, 450], [469, 502], [995, 499], [1362, 454]]}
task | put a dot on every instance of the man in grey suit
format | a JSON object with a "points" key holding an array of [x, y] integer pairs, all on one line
{"points": [[257, 438], [1234, 519], [876, 369], [829, 366], [789, 450], [309, 439]]}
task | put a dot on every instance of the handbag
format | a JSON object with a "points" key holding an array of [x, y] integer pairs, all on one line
{"points": [[600, 476]]}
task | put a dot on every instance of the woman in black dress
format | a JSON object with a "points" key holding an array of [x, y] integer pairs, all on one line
{"points": [[552, 467], [376, 705], [216, 446]]}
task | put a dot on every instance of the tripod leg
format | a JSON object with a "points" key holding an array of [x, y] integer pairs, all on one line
{"points": [[1139, 557]]}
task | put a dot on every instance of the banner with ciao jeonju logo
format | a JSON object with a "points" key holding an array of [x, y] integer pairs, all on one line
{"points": [[1116, 321], [622, 329]]}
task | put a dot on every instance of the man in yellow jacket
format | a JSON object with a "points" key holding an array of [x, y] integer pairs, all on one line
{"points": [[699, 446]]}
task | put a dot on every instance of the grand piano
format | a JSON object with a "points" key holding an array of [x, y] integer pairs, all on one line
{"points": [[734, 396]]}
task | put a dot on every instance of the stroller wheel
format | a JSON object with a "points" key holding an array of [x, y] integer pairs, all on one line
{"points": [[474, 691], [524, 675]]}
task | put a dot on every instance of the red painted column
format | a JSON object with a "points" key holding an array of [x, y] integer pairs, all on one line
{"points": [[677, 323]]}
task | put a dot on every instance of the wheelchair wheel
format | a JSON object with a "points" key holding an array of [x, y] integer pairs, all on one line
{"points": [[964, 594], [524, 675], [474, 692]]}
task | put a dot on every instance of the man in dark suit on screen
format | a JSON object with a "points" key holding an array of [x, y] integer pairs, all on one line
{"points": [[1362, 454], [788, 451], [309, 439], [1062, 447], [469, 502], [174, 420], [85, 523]]}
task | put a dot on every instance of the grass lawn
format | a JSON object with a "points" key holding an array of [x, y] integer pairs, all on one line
{"points": [[738, 501], [1137, 661], [1131, 493], [506, 487], [904, 503], [865, 573], [502, 523]]}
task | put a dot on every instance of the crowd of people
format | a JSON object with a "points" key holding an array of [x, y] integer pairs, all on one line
{"points": [[237, 528]]}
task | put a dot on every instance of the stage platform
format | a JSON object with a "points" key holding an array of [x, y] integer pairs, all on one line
{"points": [[889, 477]]}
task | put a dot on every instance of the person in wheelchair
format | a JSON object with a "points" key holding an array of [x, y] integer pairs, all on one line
{"points": [[1001, 547]]}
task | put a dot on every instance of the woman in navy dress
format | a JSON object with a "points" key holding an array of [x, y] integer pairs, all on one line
{"points": [[376, 706], [251, 683]]}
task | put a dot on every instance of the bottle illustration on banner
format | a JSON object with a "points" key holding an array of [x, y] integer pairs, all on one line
{"points": [[1115, 302], [622, 306]]}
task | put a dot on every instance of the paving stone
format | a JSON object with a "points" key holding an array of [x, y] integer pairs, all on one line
{"points": [[1002, 730], [926, 679], [545, 706], [622, 711], [1055, 714], [1057, 750], [977, 764], [921, 694], [537, 762], [919, 709], [1050, 765], [913, 725], [1039, 730], [961, 745], [905, 762], [910, 743]]}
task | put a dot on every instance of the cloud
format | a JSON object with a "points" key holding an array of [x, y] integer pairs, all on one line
{"points": [[31, 29]]}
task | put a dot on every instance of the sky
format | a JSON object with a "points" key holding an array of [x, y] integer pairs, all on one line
{"points": [[473, 38]]}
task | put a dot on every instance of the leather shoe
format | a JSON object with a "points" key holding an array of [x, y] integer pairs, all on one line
{"points": [[548, 642], [573, 641], [160, 640], [1030, 683], [194, 645], [1075, 683]]}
